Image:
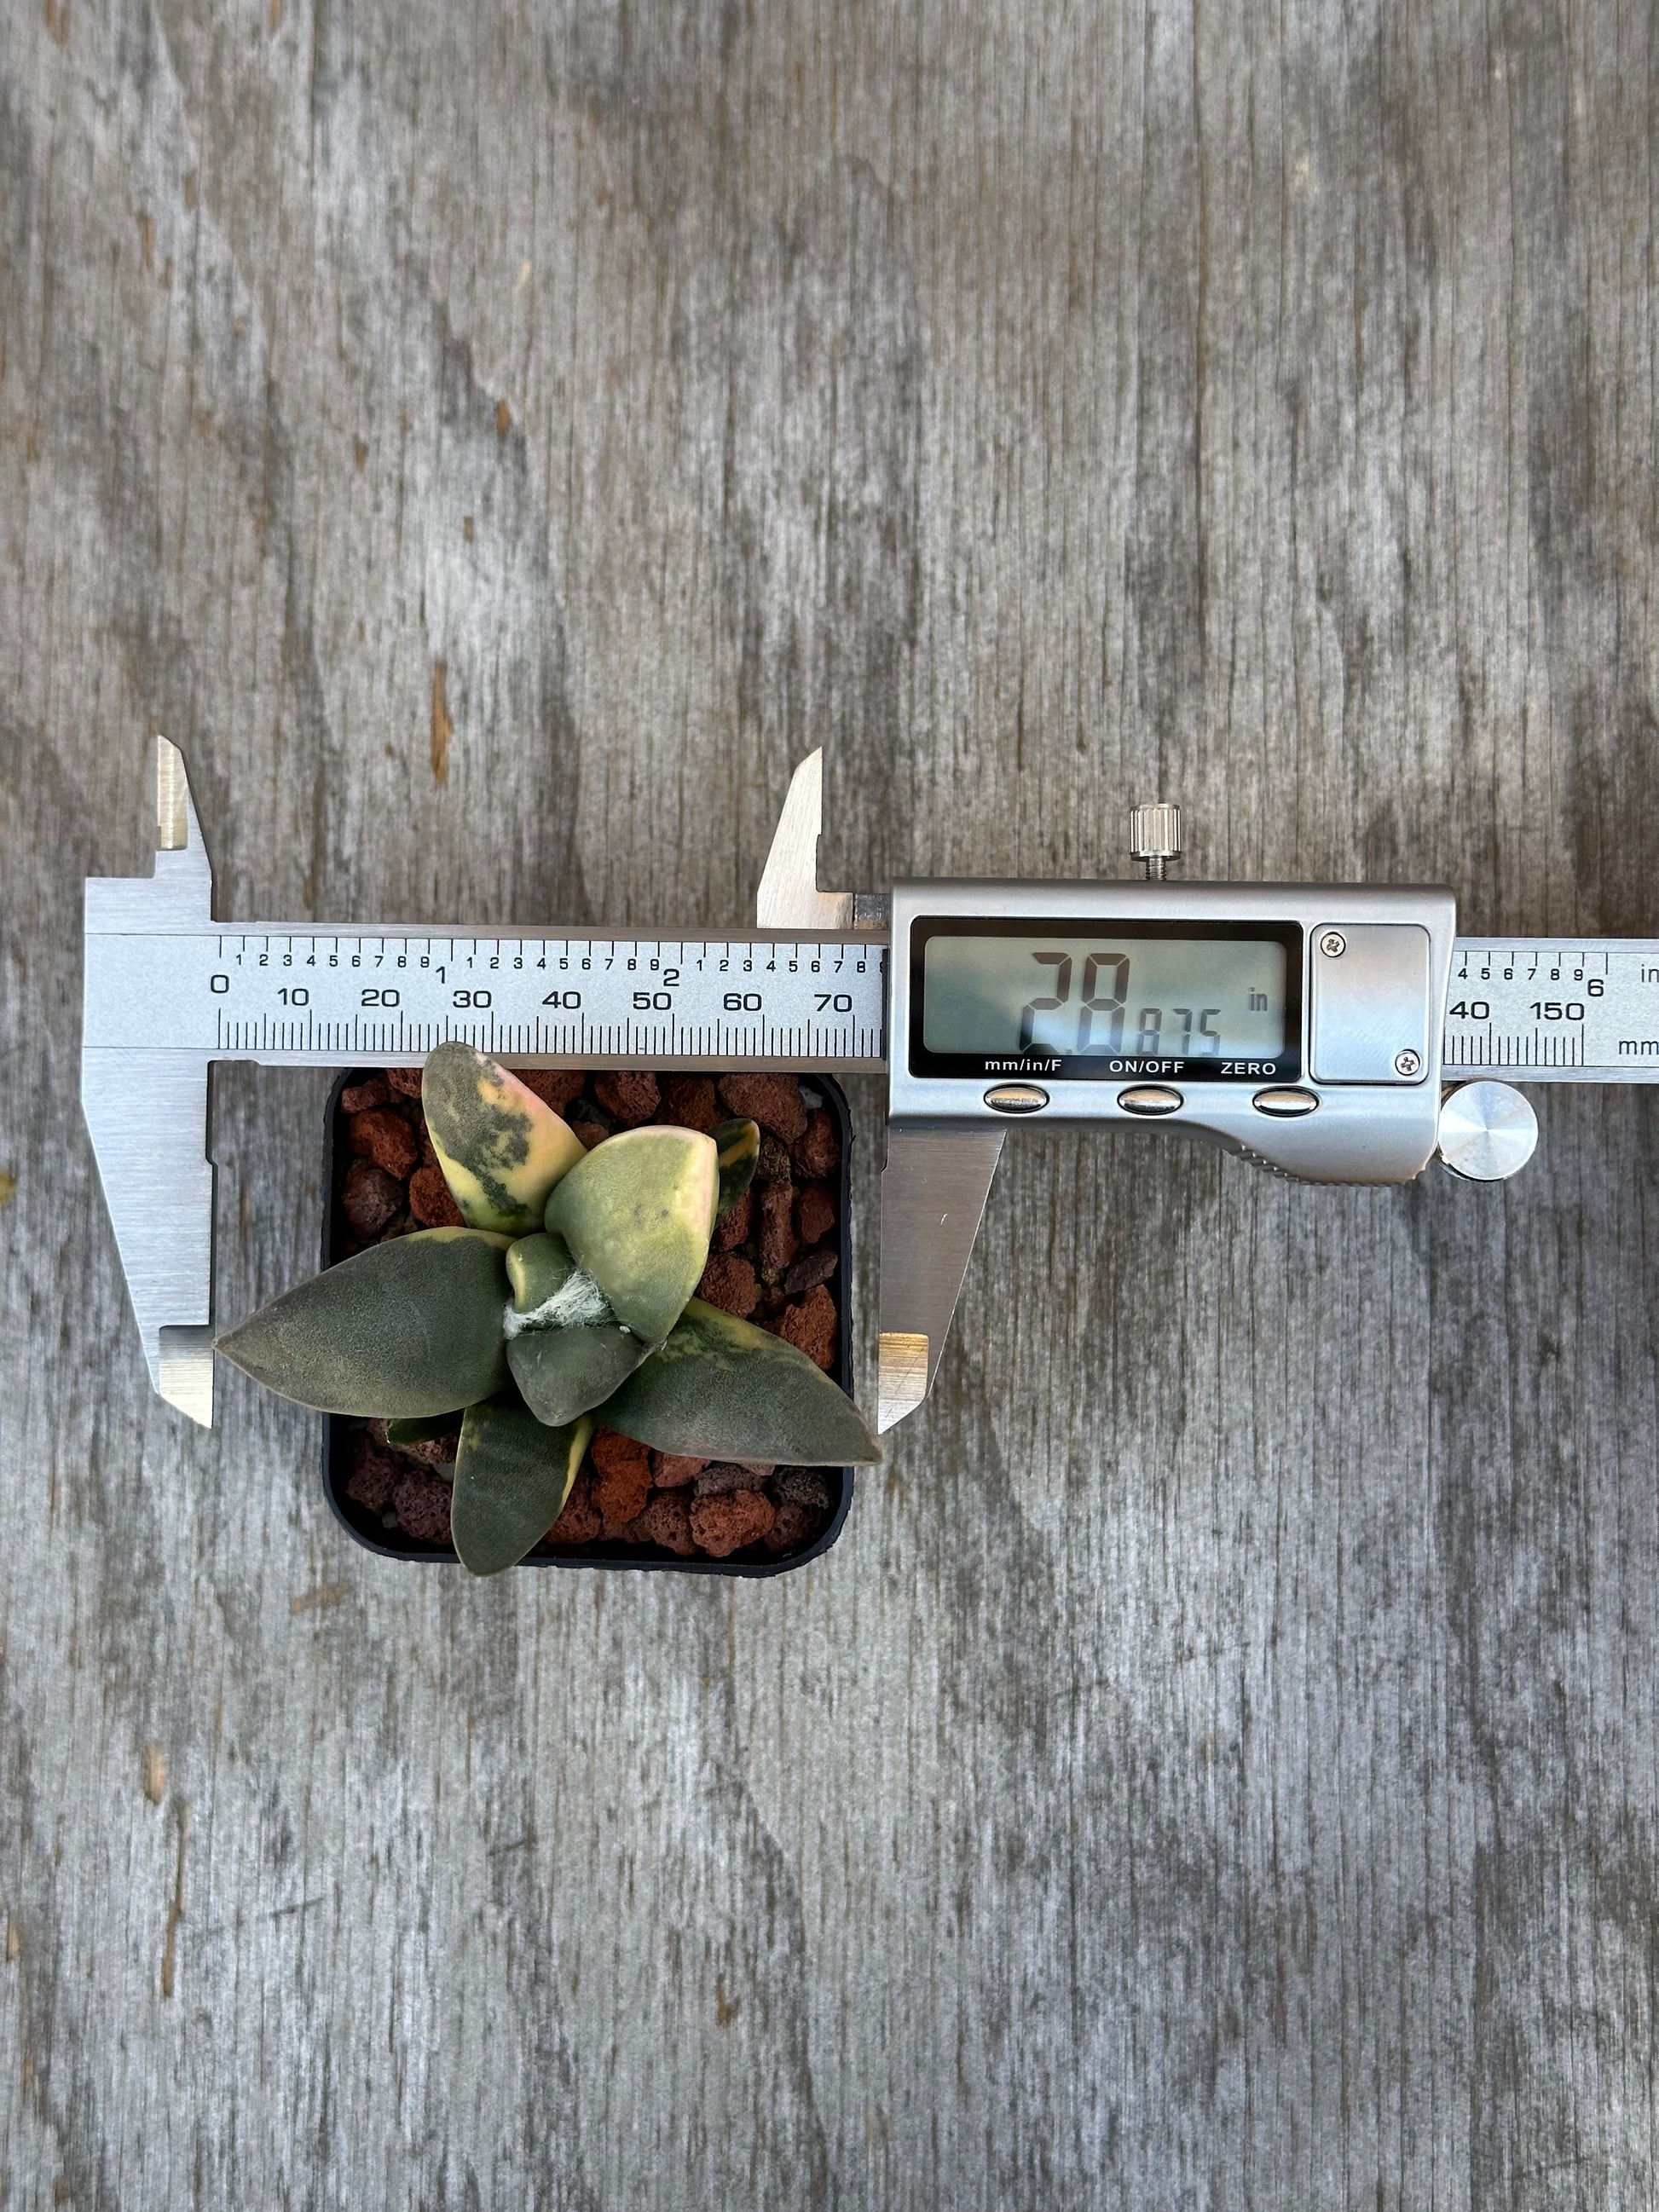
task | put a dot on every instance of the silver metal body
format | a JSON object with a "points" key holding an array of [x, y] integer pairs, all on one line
{"points": [[1371, 1124], [1390, 1001], [1554, 1010], [1488, 1132], [1368, 1008], [1155, 838]]}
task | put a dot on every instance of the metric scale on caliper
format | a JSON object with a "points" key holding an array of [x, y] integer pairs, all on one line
{"points": [[1332, 1032]]}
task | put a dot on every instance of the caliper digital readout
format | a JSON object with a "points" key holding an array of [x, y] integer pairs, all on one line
{"points": [[1077, 1000]]}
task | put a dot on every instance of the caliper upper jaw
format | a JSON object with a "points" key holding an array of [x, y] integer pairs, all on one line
{"points": [[788, 896], [146, 1113], [936, 1181]]}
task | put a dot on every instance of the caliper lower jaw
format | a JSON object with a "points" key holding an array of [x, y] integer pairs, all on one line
{"points": [[933, 1190], [936, 1181], [146, 1113]]}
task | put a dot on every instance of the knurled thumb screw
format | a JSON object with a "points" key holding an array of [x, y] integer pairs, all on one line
{"points": [[1154, 837]]}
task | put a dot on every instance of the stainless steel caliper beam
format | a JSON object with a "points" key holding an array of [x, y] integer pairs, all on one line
{"points": [[1390, 1011]]}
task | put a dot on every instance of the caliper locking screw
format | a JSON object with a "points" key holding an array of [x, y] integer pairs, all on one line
{"points": [[1154, 837], [1407, 1063], [1332, 944]]}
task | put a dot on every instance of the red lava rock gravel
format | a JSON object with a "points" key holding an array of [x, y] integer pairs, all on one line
{"points": [[803, 1486], [429, 1200], [811, 1326], [777, 1241], [357, 1097], [817, 1153], [813, 1268], [421, 1501], [794, 1525], [728, 1282], [369, 1197], [385, 1138], [738, 1225], [774, 1101], [554, 1087], [404, 1082], [589, 1128], [725, 1524], [772, 1163], [581, 1519], [667, 1521], [622, 1479], [721, 1475], [430, 1451], [629, 1099], [689, 1102], [670, 1471], [815, 1213], [374, 1471]]}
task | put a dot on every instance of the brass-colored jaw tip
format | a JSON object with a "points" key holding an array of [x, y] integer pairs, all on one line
{"points": [[900, 1377]]}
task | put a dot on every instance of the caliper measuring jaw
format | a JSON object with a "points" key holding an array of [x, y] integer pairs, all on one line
{"points": [[146, 1113], [936, 1179]]}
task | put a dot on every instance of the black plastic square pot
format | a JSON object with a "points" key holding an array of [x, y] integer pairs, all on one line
{"points": [[392, 1544]]}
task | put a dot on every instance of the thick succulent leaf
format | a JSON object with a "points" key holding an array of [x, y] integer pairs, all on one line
{"points": [[406, 1328], [550, 1290], [721, 1389], [736, 1148], [638, 1213], [420, 1428], [562, 1372], [502, 1149], [512, 1478], [538, 1267], [566, 1349]]}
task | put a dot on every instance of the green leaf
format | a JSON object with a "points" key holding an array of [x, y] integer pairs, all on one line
{"points": [[562, 1372], [501, 1148], [513, 1475], [736, 1148], [406, 1328], [538, 1267], [638, 1213], [566, 1348], [721, 1389], [421, 1428]]}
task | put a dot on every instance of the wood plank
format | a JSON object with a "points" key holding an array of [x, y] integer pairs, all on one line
{"points": [[1217, 1766]]}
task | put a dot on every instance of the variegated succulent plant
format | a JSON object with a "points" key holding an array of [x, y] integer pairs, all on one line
{"points": [[566, 1301]]}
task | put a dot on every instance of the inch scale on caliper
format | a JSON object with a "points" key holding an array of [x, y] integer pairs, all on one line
{"points": [[1337, 1033]]}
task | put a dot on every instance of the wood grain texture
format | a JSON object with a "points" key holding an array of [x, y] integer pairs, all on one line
{"points": [[1219, 1765]]}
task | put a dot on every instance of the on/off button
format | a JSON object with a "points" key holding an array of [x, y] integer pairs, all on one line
{"points": [[1149, 1099]]}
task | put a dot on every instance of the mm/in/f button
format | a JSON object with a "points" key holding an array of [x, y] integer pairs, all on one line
{"points": [[1016, 1098]]}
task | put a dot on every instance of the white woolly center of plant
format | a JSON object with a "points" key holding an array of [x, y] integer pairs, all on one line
{"points": [[577, 1301]]}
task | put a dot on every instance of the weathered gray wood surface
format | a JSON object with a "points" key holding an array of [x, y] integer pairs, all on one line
{"points": [[1219, 1766]]}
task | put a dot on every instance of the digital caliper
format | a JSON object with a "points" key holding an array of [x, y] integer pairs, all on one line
{"points": [[1332, 1032]]}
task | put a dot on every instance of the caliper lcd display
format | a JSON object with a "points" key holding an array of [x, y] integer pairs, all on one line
{"points": [[1098, 1001]]}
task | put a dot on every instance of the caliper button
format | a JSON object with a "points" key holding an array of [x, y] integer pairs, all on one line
{"points": [[1285, 1105], [1016, 1098], [1150, 1098]]}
